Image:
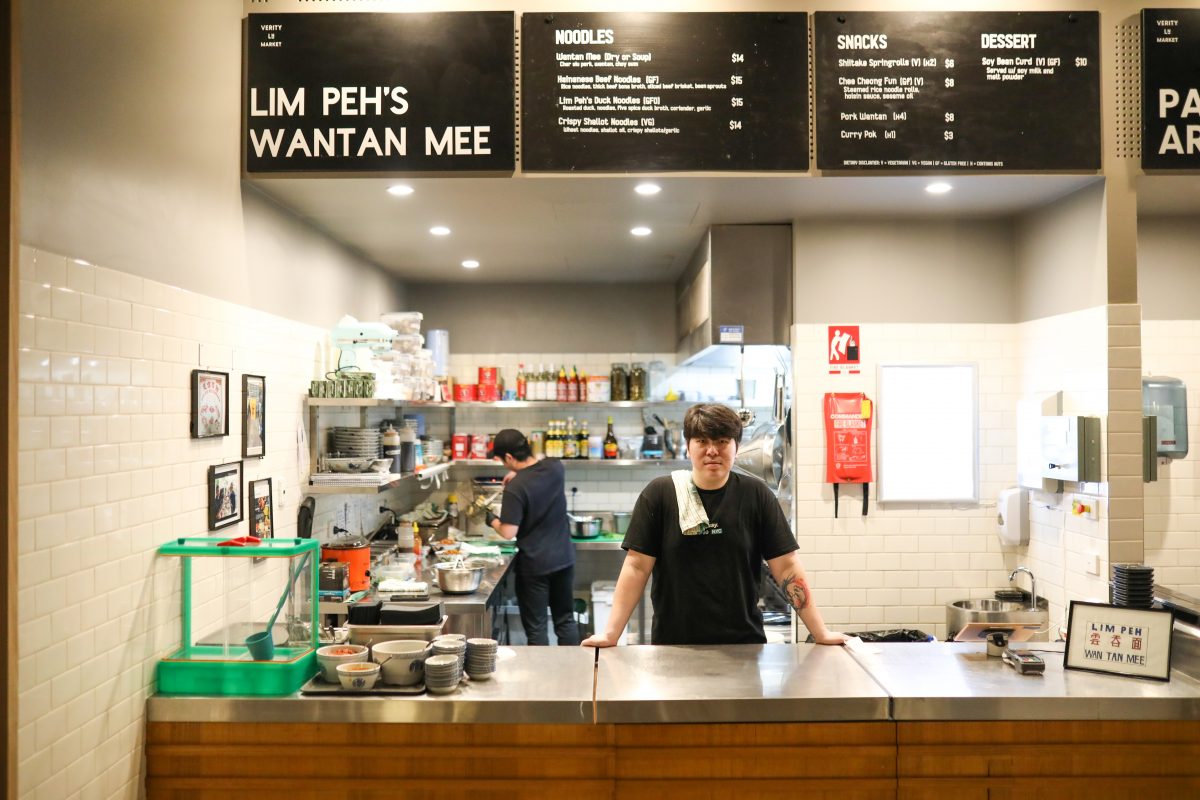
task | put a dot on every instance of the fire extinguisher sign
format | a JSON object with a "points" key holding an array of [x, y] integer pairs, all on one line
{"points": [[843, 346]]}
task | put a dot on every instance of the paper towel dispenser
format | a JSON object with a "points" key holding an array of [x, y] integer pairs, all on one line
{"points": [[1012, 517], [1166, 400], [1071, 449]]}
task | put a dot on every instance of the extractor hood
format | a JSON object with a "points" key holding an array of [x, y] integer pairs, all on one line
{"points": [[736, 290]]}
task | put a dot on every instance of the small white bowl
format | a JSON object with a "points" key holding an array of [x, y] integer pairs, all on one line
{"points": [[359, 675], [332, 656]]}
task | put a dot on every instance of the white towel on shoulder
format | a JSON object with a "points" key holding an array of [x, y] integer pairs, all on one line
{"points": [[692, 516]]}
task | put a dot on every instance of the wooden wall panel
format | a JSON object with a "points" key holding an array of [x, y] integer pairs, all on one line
{"points": [[854, 761], [812, 760], [1095, 759]]}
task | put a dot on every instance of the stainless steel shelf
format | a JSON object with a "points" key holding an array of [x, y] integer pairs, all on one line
{"points": [[370, 402], [555, 403], [585, 462], [428, 472]]}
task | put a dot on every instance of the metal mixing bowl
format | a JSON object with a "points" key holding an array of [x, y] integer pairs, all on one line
{"points": [[458, 578]]}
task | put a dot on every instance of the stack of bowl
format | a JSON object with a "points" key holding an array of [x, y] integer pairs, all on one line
{"points": [[442, 674], [356, 442], [444, 646], [481, 658]]}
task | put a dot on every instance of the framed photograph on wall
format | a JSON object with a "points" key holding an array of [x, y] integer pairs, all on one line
{"points": [[262, 512], [254, 416], [225, 500], [210, 404]]}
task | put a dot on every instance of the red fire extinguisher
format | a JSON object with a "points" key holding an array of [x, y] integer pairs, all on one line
{"points": [[848, 442]]}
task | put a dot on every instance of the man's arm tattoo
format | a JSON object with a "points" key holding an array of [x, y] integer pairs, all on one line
{"points": [[797, 592]]}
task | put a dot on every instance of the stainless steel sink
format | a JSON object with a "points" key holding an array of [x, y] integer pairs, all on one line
{"points": [[988, 606], [998, 612]]}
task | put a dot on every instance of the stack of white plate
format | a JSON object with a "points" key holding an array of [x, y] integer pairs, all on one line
{"points": [[355, 442], [481, 658], [451, 647], [442, 674]]}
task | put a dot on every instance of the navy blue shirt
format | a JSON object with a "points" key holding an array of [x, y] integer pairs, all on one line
{"points": [[535, 501]]}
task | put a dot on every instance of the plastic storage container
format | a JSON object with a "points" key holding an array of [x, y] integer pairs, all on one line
{"points": [[249, 626]]}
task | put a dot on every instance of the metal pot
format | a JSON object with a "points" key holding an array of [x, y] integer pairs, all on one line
{"points": [[621, 522], [458, 578], [585, 527]]}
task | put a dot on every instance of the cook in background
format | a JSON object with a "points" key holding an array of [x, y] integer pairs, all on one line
{"points": [[534, 512], [704, 533]]}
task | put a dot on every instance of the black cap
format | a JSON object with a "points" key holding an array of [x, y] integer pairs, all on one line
{"points": [[510, 441]]}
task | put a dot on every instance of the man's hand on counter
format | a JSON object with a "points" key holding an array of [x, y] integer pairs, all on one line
{"points": [[599, 640], [830, 637]]}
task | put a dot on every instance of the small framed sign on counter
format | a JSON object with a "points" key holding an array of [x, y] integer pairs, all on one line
{"points": [[1133, 642]]}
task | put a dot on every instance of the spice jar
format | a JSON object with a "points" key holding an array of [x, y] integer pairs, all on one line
{"points": [[638, 382], [618, 381]]}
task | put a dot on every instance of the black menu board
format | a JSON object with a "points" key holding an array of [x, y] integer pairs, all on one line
{"points": [[664, 91], [1171, 88], [962, 90], [348, 92]]}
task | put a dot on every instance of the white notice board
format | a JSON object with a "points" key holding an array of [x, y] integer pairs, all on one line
{"points": [[928, 423]]}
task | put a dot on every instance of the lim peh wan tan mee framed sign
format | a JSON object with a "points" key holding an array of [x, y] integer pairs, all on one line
{"points": [[1132, 642]]}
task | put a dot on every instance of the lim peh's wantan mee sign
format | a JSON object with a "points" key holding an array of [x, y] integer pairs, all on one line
{"points": [[366, 93]]}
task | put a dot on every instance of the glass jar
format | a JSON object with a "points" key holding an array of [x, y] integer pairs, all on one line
{"points": [[638, 382], [618, 381]]}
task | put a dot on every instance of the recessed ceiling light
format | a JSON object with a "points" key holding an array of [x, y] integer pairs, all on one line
{"points": [[648, 188], [81, 262], [938, 188], [471, 263], [440, 230], [400, 190], [640, 230]]}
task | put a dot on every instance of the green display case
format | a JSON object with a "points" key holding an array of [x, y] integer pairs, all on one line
{"points": [[232, 590]]}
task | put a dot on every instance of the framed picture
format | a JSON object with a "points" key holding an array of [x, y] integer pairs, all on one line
{"points": [[262, 514], [254, 416], [1133, 642], [210, 404], [225, 498]]}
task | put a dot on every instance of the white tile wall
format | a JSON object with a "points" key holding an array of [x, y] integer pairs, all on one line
{"points": [[1068, 353], [108, 473], [1172, 527], [900, 565]]}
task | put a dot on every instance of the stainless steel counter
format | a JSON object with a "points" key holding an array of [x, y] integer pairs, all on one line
{"points": [[959, 681], [739, 683], [736, 683], [536, 684], [477, 601]]}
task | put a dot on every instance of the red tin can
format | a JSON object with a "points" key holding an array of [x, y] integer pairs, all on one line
{"points": [[488, 392], [487, 376], [460, 446], [479, 446], [465, 393]]}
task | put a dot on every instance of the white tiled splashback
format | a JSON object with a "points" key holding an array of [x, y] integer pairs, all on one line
{"points": [[1172, 347], [899, 565], [108, 473]]}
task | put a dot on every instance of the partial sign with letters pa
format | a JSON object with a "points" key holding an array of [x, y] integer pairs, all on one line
{"points": [[1171, 88]]}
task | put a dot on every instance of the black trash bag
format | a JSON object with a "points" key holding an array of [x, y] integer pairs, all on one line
{"points": [[898, 635]]}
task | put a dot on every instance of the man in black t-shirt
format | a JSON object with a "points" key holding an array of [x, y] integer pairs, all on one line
{"points": [[534, 512], [706, 561]]}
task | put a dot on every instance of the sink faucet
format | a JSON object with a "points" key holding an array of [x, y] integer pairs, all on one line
{"points": [[1032, 585]]}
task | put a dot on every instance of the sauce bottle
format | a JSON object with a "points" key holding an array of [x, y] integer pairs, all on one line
{"points": [[611, 450]]}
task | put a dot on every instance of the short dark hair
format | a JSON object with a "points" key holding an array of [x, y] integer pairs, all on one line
{"points": [[712, 421], [511, 441]]}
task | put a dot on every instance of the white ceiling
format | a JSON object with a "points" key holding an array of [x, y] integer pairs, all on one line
{"points": [[576, 228]]}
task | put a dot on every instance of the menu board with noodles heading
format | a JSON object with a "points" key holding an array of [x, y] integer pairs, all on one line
{"points": [[647, 92], [960, 90], [1171, 88], [367, 92]]}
